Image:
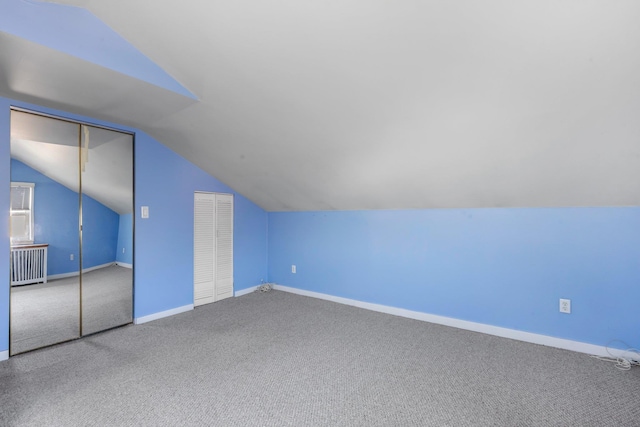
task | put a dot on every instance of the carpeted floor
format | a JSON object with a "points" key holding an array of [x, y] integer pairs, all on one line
{"points": [[278, 359], [45, 314]]}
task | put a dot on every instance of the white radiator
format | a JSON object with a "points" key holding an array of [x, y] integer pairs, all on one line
{"points": [[28, 264]]}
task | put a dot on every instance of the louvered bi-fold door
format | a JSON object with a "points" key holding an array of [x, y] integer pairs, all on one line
{"points": [[213, 247], [204, 248], [224, 247]]}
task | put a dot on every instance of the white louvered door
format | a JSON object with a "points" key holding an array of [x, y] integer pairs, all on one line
{"points": [[213, 247], [224, 247], [204, 248]]}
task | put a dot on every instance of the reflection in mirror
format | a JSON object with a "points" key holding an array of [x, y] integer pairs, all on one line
{"points": [[71, 230], [45, 291], [106, 163]]}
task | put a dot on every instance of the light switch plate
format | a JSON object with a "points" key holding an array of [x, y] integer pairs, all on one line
{"points": [[144, 212]]}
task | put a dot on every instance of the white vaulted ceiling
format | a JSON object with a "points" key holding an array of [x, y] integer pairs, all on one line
{"points": [[371, 104]]}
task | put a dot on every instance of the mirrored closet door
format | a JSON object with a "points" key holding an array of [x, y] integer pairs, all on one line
{"points": [[71, 226], [106, 169]]}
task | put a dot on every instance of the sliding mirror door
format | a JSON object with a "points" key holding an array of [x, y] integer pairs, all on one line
{"points": [[71, 225], [106, 164], [44, 223]]}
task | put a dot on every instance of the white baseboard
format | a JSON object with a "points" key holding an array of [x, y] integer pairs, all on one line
{"points": [[124, 264], [4, 355], [245, 291], [160, 315], [76, 273], [514, 334]]}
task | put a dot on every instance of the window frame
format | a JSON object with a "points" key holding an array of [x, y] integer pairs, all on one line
{"points": [[30, 238]]}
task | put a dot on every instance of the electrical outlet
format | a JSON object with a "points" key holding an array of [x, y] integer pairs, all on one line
{"points": [[293, 269], [122, 250], [565, 305], [71, 257]]}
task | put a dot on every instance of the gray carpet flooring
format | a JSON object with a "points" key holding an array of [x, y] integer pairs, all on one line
{"points": [[278, 359], [48, 313]]}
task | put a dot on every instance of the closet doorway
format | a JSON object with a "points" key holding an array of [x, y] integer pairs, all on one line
{"points": [[71, 226], [212, 247]]}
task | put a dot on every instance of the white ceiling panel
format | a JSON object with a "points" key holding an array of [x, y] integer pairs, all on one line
{"points": [[360, 104]]}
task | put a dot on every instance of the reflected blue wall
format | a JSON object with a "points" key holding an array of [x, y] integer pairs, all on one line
{"points": [[124, 249], [99, 233], [56, 223]]}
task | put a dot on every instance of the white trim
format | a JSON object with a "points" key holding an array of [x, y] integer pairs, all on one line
{"points": [[29, 212], [4, 355], [161, 314], [124, 264], [75, 273], [514, 334], [245, 291]]}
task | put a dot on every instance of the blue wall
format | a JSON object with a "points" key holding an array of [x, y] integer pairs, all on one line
{"points": [[56, 223], [164, 241], [78, 32], [502, 267], [165, 182], [125, 239]]}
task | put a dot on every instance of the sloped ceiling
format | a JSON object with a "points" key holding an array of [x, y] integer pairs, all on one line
{"points": [[360, 104]]}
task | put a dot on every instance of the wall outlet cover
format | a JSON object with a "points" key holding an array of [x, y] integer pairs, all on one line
{"points": [[565, 305]]}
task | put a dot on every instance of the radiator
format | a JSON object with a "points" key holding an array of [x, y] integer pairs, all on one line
{"points": [[28, 264]]}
